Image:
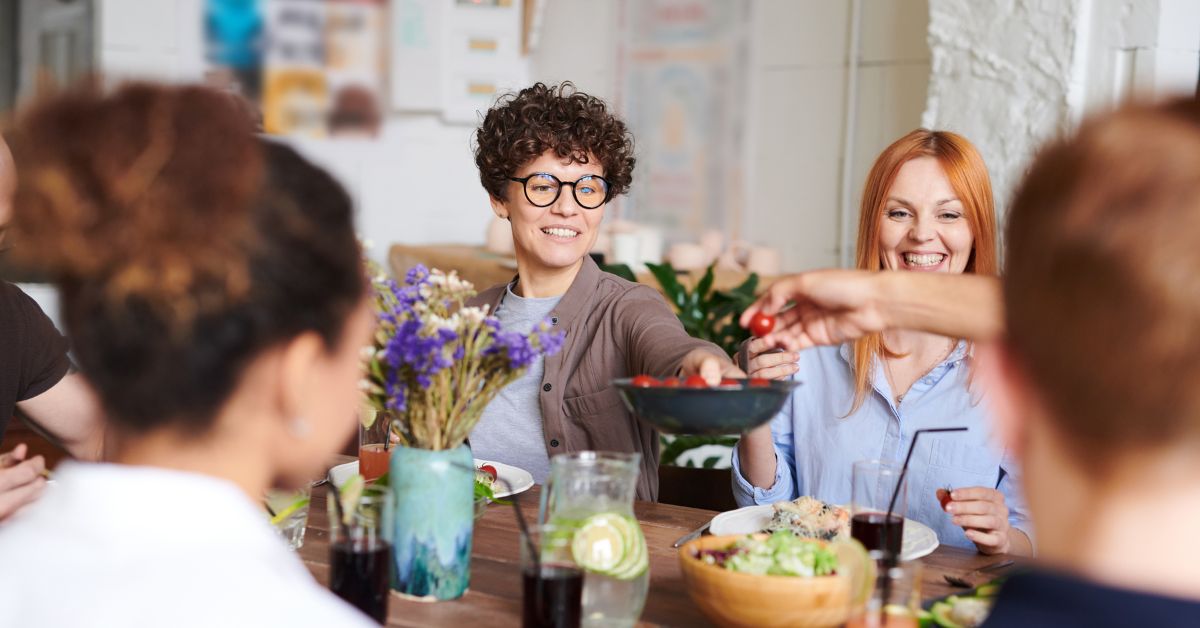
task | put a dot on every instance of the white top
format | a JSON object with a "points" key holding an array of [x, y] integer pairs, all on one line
{"points": [[117, 545]]}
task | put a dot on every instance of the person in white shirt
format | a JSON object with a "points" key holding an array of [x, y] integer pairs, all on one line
{"points": [[212, 286]]}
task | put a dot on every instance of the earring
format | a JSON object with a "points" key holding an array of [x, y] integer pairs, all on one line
{"points": [[298, 427]]}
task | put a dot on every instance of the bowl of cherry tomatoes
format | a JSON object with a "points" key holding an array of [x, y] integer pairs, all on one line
{"points": [[689, 405]]}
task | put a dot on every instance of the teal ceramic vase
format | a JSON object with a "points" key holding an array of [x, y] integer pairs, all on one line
{"points": [[434, 501]]}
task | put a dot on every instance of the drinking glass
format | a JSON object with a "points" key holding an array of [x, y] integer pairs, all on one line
{"points": [[288, 511], [895, 602], [360, 550], [374, 450], [873, 483], [552, 584], [587, 485]]}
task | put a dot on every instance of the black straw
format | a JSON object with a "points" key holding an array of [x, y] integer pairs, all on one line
{"points": [[337, 498], [887, 517]]}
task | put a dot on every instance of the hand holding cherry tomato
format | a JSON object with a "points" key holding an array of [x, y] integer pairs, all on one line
{"points": [[944, 498]]}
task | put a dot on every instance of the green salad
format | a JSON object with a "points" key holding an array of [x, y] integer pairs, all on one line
{"points": [[781, 554]]}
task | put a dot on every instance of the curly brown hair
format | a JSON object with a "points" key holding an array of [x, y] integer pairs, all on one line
{"points": [[573, 124], [184, 246]]}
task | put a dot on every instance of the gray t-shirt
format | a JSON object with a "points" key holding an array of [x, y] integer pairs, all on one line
{"points": [[510, 430]]}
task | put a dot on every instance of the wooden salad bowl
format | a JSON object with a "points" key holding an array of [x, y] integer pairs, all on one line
{"points": [[731, 598]]}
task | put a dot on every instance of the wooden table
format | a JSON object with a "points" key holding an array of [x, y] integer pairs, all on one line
{"points": [[494, 598]]}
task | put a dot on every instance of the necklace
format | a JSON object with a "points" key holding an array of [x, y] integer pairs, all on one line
{"points": [[887, 368]]}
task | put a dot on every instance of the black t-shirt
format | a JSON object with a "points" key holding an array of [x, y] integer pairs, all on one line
{"points": [[33, 355], [1041, 598]]}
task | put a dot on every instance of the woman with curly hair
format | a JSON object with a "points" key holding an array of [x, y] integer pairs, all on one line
{"points": [[550, 158]]}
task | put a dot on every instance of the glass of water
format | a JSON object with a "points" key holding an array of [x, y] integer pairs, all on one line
{"points": [[288, 511]]}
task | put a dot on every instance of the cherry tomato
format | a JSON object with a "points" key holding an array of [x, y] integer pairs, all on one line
{"points": [[758, 382], [490, 470], [728, 381], [944, 497], [670, 382], [695, 381], [645, 381], [761, 324]]}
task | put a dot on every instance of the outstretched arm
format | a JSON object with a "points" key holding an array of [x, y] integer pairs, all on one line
{"points": [[834, 306]]}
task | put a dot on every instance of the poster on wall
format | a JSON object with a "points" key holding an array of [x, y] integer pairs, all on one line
{"points": [[312, 68], [354, 66], [233, 47], [454, 57], [416, 55], [684, 64]]}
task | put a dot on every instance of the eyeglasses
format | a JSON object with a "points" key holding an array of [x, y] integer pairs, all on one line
{"points": [[542, 189]]}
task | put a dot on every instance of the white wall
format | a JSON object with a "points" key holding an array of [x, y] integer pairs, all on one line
{"points": [[797, 105], [805, 116], [419, 183], [1009, 75]]}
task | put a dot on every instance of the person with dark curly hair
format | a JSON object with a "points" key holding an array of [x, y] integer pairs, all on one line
{"points": [[551, 158]]}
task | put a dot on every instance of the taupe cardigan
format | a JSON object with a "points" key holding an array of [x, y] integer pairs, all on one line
{"points": [[614, 328]]}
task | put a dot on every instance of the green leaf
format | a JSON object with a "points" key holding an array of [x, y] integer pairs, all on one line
{"points": [[748, 287], [383, 479], [665, 274], [710, 462], [705, 285], [621, 270]]}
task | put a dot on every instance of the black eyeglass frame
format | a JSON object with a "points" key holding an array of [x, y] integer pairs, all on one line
{"points": [[524, 181]]}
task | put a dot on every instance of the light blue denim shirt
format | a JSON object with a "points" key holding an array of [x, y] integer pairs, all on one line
{"points": [[816, 444]]}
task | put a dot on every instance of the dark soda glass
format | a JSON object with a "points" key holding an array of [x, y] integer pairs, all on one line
{"points": [[552, 599], [869, 529], [361, 576]]}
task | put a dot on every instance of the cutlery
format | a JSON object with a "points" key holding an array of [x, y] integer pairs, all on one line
{"points": [[965, 580], [691, 535]]}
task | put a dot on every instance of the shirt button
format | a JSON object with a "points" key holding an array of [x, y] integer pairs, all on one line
{"points": [[554, 320], [547, 387], [554, 442]]}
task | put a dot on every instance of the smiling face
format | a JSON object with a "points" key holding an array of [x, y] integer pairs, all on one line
{"points": [[556, 237], [923, 226]]}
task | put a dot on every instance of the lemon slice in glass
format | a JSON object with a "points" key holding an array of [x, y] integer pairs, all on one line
{"points": [[349, 495], [287, 511], [602, 542]]}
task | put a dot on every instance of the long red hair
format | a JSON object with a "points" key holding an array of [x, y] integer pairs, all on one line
{"points": [[968, 177]]}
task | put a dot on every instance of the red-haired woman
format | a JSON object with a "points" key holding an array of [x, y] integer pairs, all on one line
{"points": [[927, 207]]}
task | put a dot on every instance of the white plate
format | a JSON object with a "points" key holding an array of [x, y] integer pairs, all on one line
{"points": [[919, 539], [519, 479]]}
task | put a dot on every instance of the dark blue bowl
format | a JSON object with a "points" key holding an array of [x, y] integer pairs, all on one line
{"points": [[730, 409]]}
